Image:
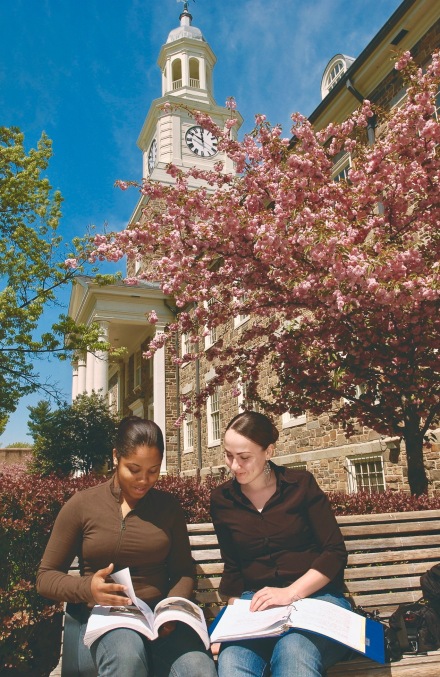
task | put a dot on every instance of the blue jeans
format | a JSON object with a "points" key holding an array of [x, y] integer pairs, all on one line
{"points": [[296, 654], [125, 653]]}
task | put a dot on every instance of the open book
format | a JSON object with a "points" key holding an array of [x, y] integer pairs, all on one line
{"points": [[357, 632], [140, 617]]}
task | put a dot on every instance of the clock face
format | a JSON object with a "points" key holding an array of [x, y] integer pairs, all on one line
{"points": [[201, 142], [152, 154]]}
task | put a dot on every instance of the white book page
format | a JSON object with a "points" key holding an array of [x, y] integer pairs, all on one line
{"points": [[123, 578], [330, 620], [180, 609], [308, 614], [239, 620]]}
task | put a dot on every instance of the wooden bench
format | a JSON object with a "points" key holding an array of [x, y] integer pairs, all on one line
{"points": [[387, 555]]}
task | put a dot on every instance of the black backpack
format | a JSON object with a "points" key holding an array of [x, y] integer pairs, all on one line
{"points": [[415, 628]]}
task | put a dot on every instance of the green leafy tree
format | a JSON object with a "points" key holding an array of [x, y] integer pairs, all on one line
{"points": [[31, 271], [77, 437]]}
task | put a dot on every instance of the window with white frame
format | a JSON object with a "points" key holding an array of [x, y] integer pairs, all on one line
{"points": [[296, 465], [241, 398], [188, 432], [185, 347], [366, 473], [213, 415], [239, 320], [212, 335], [137, 369], [334, 71], [341, 168], [113, 393], [290, 420]]}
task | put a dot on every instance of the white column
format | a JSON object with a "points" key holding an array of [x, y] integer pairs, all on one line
{"points": [[185, 69], [74, 380], [159, 394], [202, 73], [90, 369], [100, 369], [81, 376]]}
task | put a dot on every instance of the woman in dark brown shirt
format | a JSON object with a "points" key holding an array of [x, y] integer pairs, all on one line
{"points": [[280, 542], [126, 522]]}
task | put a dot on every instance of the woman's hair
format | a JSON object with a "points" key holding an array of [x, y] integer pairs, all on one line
{"points": [[256, 427], [133, 432]]}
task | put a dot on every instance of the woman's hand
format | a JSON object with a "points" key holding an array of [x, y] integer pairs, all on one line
{"points": [[106, 593], [269, 597], [215, 648], [167, 628]]}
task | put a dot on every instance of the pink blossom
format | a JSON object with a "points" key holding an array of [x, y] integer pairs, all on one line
{"points": [[152, 317]]}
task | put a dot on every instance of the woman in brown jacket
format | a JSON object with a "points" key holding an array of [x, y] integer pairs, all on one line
{"points": [[126, 522]]}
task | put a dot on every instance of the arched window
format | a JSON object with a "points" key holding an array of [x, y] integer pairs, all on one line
{"points": [[194, 73], [334, 71], [177, 73]]}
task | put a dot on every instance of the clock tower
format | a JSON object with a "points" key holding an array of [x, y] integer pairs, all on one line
{"points": [[169, 134]]}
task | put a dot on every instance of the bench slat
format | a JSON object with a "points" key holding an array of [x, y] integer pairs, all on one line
{"points": [[395, 555], [396, 542], [406, 528], [409, 666]]}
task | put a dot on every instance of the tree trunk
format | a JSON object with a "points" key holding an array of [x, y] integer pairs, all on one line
{"points": [[417, 478]]}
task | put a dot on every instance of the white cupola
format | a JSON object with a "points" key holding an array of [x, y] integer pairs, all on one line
{"points": [[187, 61]]}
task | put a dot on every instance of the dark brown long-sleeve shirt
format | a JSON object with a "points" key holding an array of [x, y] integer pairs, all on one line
{"points": [[295, 531], [152, 540]]}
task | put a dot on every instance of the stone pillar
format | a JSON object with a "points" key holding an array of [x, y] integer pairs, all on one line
{"points": [[90, 369], [81, 389], [74, 380], [159, 393], [100, 369]]}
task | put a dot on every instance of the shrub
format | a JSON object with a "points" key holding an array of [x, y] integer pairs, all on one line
{"points": [[28, 507], [193, 495], [364, 503]]}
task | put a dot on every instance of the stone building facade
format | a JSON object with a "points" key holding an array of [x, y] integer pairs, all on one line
{"points": [[155, 388]]}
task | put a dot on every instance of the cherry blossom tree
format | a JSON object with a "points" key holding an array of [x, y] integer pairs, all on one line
{"points": [[341, 279]]}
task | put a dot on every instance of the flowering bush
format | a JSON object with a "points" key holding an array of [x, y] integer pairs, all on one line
{"points": [[363, 503], [30, 624], [193, 494]]}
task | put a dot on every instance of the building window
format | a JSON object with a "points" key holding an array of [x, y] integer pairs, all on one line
{"points": [[366, 473], [185, 347], [212, 336], [213, 413], [194, 76], [239, 320], [137, 373], [290, 421], [297, 465], [335, 74], [341, 167], [177, 73], [242, 405], [334, 71], [188, 432], [113, 393]]}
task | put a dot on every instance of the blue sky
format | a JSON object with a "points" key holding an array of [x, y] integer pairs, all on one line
{"points": [[85, 72]]}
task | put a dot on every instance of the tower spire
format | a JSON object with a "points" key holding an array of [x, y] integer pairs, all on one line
{"points": [[185, 12]]}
